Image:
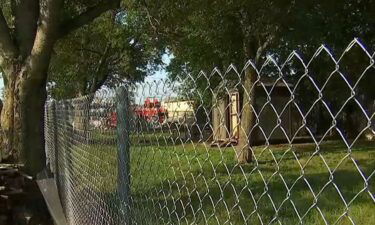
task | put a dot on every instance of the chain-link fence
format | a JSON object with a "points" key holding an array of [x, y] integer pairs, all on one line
{"points": [[285, 142]]}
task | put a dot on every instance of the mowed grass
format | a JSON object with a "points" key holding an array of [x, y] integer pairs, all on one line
{"points": [[177, 181]]}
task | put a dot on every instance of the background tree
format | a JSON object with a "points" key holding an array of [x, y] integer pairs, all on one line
{"points": [[215, 33], [110, 50], [203, 35]]}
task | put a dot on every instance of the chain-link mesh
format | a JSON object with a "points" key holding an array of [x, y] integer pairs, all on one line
{"points": [[286, 142], [81, 145]]}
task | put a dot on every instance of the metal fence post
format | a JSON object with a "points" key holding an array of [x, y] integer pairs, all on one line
{"points": [[123, 154]]}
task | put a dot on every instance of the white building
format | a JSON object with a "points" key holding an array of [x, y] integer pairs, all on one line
{"points": [[179, 111]]}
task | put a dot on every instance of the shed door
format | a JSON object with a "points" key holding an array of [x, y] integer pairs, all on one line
{"points": [[234, 115]]}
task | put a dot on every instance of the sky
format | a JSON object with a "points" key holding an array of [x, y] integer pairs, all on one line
{"points": [[153, 87], [161, 74]]}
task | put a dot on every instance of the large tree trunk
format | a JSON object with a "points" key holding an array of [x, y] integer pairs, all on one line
{"points": [[23, 113], [24, 59], [32, 98], [252, 50], [22, 122], [25, 52], [247, 120], [10, 123]]}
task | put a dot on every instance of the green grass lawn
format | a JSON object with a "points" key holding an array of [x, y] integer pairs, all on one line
{"points": [[175, 181]]}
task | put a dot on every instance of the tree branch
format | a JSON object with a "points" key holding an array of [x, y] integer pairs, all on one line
{"points": [[45, 37], [150, 18], [26, 13], [100, 75], [262, 47], [8, 50], [86, 17]]}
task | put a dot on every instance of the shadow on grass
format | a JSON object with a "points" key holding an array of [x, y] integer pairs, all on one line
{"points": [[261, 199], [218, 191], [268, 163]]}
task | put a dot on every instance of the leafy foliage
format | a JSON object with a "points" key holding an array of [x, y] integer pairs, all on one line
{"points": [[112, 49], [202, 35]]}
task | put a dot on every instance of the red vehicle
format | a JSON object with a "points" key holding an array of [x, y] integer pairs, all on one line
{"points": [[151, 111]]}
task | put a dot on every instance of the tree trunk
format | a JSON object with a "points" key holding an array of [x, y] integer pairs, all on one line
{"points": [[247, 120], [10, 123], [252, 50], [22, 122], [22, 117], [33, 95], [24, 60]]}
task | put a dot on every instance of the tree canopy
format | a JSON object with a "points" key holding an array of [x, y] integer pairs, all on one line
{"points": [[112, 49], [209, 34], [203, 35]]}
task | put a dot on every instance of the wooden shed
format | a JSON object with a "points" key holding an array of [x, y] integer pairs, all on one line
{"points": [[277, 121], [225, 117]]}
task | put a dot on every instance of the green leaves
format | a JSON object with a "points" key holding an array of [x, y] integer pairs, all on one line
{"points": [[112, 49]]}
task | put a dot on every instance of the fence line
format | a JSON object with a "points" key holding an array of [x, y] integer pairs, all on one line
{"points": [[285, 142]]}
